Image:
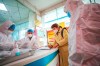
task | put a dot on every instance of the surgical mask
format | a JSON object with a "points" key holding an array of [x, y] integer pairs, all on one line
{"points": [[55, 31], [30, 35], [8, 32]]}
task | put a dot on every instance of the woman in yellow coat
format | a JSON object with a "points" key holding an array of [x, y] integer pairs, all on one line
{"points": [[62, 43]]}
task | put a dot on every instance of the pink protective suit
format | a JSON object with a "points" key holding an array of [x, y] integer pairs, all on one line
{"points": [[84, 33]]}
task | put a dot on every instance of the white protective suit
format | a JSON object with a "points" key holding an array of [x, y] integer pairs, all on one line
{"points": [[84, 33], [6, 41], [26, 43]]}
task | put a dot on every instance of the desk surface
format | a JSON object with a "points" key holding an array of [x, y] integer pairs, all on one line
{"points": [[37, 55]]}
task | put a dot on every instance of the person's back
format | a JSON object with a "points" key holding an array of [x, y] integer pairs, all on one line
{"points": [[84, 35]]}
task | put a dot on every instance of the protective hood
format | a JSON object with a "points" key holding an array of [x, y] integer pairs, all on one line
{"points": [[4, 27], [71, 5]]}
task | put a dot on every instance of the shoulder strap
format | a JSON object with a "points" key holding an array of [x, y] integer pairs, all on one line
{"points": [[62, 31]]}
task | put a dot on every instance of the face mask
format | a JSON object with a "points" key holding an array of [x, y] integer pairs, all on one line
{"points": [[30, 35], [55, 31], [8, 32]]}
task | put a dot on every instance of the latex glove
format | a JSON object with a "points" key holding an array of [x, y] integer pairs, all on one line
{"points": [[55, 45]]}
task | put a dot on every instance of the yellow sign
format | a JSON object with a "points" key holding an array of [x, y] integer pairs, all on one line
{"points": [[62, 24], [50, 35], [37, 22]]}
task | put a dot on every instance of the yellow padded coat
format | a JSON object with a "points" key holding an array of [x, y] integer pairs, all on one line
{"points": [[63, 46]]}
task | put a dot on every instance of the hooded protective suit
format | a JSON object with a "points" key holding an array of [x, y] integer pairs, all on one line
{"points": [[84, 30], [27, 43], [6, 41]]}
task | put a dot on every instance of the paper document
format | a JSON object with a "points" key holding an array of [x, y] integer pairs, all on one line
{"points": [[44, 48]]}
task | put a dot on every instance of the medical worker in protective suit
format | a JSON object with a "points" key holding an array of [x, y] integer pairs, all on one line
{"points": [[29, 42], [84, 33], [6, 41]]}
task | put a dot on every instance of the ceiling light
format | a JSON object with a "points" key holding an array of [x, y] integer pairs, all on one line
{"points": [[2, 7]]}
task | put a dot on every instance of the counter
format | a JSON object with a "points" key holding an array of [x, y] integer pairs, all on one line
{"points": [[40, 58]]}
